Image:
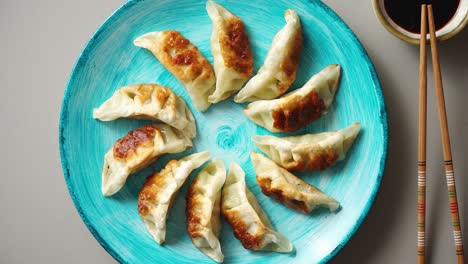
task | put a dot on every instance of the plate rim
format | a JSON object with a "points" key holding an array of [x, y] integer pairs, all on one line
{"points": [[130, 3]]}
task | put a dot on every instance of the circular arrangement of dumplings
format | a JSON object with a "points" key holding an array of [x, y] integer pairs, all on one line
{"points": [[214, 191]]}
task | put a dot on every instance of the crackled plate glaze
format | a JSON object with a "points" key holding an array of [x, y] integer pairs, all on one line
{"points": [[110, 61]]}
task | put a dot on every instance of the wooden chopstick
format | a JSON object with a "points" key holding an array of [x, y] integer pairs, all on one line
{"points": [[449, 172], [422, 138]]}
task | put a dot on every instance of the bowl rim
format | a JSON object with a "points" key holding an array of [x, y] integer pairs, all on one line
{"points": [[129, 4], [391, 28]]}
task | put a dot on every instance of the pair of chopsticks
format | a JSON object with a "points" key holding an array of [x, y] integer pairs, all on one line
{"points": [[449, 173]]}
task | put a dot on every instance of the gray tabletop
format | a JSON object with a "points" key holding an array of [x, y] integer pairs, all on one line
{"points": [[41, 41]]}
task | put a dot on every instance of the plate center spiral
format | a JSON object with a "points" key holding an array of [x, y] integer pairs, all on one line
{"points": [[226, 132], [226, 138]]}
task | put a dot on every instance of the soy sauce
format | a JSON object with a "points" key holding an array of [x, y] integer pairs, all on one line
{"points": [[407, 13]]}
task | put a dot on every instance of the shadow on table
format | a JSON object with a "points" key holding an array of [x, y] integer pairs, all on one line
{"points": [[451, 52], [395, 191]]}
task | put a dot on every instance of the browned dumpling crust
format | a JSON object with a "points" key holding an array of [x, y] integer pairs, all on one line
{"points": [[317, 159], [182, 58], [309, 151], [284, 187], [295, 112], [138, 149], [151, 102], [149, 193], [280, 66], [249, 222], [160, 189], [300, 107], [203, 209], [126, 147], [235, 47], [230, 47], [184, 61]]}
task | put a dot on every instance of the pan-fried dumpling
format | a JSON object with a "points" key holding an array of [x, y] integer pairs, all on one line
{"points": [[280, 66], [203, 209], [288, 189], [148, 101], [298, 108], [309, 151], [230, 46], [138, 149], [160, 189], [184, 61], [248, 220]]}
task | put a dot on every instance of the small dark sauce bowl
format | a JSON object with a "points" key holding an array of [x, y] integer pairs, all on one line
{"points": [[450, 29]]}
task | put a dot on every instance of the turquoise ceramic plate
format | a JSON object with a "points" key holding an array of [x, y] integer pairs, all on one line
{"points": [[110, 61]]}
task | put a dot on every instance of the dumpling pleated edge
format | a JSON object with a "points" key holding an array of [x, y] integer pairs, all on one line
{"points": [[203, 209], [286, 188], [239, 206]]}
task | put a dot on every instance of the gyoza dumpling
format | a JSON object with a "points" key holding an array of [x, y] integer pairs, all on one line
{"points": [[280, 66], [309, 151], [230, 46], [160, 189], [184, 61], [288, 189], [138, 149], [298, 108], [148, 101], [203, 209], [248, 220]]}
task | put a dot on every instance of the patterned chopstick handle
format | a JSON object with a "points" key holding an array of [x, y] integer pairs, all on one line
{"points": [[421, 208], [452, 193], [445, 136]]}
